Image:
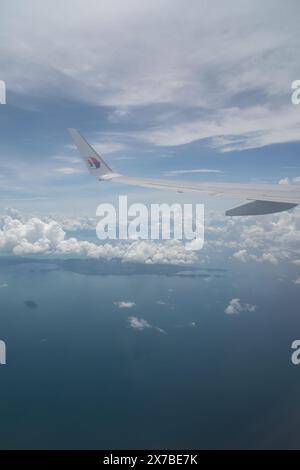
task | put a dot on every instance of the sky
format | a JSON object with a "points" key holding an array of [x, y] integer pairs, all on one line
{"points": [[160, 90], [198, 92], [156, 87]]}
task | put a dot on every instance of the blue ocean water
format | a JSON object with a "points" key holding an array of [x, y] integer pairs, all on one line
{"points": [[78, 376]]}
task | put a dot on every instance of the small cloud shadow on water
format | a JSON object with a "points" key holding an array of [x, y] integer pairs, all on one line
{"points": [[31, 304]]}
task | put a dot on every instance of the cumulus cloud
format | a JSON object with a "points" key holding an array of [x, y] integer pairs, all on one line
{"points": [[269, 257], [31, 237], [271, 239], [12, 212], [245, 256], [140, 324], [286, 180], [35, 236], [241, 255], [149, 252], [74, 224], [235, 307], [124, 304], [297, 281]]}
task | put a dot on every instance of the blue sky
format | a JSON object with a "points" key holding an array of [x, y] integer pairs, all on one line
{"points": [[203, 88]]}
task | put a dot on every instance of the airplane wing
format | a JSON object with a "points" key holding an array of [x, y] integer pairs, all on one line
{"points": [[263, 198]]}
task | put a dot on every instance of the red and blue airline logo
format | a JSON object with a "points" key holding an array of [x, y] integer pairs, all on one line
{"points": [[93, 162]]}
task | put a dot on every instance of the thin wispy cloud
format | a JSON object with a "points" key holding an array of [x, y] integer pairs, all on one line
{"points": [[186, 172], [63, 158], [69, 170]]}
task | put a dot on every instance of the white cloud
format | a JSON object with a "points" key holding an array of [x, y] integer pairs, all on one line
{"points": [[241, 255], [74, 224], [269, 257], [216, 59], [235, 307], [297, 281], [124, 304], [35, 236], [141, 324], [138, 323], [32, 236], [69, 170], [137, 251], [232, 129], [245, 256], [285, 180], [183, 172], [270, 239]]}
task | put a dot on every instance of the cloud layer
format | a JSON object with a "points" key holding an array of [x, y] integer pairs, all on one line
{"points": [[271, 240], [37, 237], [209, 71]]}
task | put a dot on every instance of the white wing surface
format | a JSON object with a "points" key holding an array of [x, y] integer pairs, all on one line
{"points": [[264, 198]]}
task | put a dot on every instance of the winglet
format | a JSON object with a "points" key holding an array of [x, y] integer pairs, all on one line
{"points": [[94, 162], [260, 208]]}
